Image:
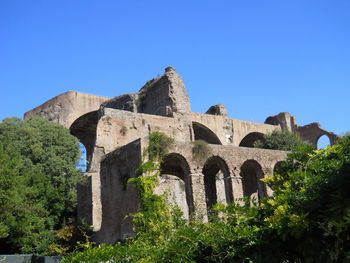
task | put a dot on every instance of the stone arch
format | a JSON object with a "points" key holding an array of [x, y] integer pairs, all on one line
{"points": [[277, 167], [84, 128], [175, 179], [313, 131], [217, 182], [320, 143], [201, 132], [251, 173], [251, 138]]}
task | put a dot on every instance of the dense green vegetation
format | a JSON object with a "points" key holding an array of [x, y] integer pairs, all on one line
{"points": [[38, 178], [306, 220], [280, 140]]}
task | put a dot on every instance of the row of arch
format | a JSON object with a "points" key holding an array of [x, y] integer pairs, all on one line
{"points": [[218, 181], [201, 132]]}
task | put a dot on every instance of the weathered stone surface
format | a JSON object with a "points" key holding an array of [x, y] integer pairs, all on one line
{"points": [[115, 133], [67, 107], [284, 119], [218, 109], [313, 131], [310, 132], [119, 199], [127, 102], [165, 96]]}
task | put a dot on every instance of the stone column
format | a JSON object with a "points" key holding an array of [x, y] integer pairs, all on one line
{"points": [[96, 201], [198, 190], [237, 185]]}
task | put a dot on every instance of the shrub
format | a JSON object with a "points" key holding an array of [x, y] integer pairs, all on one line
{"points": [[159, 144], [280, 140], [200, 151]]}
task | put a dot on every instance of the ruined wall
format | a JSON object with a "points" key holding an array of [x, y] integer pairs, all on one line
{"points": [[118, 198], [165, 96], [67, 107], [227, 174], [127, 102], [313, 131]]}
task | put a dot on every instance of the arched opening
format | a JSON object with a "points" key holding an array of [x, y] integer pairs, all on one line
{"points": [[323, 142], [251, 138], [83, 164], [217, 182], [251, 173], [175, 181], [203, 133], [278, 168], [84, 128]]}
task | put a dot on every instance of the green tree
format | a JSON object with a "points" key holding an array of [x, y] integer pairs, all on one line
{"points": [[280, 140], [38, 179], [310, 209]]}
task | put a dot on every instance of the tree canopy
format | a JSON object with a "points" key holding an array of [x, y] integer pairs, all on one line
{"points": [[38, 178]]}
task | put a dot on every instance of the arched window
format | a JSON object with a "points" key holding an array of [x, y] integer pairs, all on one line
{"points": [[203, 133], [175, 181], [251, 173], [217, 180]]}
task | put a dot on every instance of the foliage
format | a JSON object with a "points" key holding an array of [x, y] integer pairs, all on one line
{"points": [[72, 238], [344, 139], [37, 183], [159, 144], [200, 151], [306, 220], [311, 204], [280, 140]]}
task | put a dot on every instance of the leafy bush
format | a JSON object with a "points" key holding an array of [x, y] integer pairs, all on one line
{"points": [[200, 151], [159, 144], [69, 238], [280, 140]]}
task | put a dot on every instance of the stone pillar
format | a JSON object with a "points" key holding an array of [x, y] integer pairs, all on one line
{"points": [[198, 190], [237, 187], [96, 201], [89, 200], [266, 188], [220, 188]]}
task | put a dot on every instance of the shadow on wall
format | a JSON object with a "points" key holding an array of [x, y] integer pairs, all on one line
{"points": [[84, 128], [203, 133], [217, 182], [252, 173], [250, 139], [175, 179]]}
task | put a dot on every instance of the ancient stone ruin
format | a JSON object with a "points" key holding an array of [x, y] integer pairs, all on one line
{"points": [[115, 133]]}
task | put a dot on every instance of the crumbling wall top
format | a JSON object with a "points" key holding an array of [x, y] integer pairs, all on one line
{"points": [[165, 96]]}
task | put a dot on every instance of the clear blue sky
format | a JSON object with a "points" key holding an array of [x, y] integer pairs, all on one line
{"points": [[257, 57]]}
